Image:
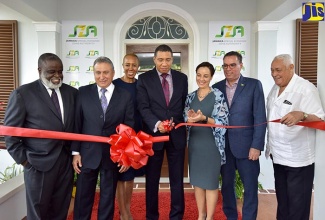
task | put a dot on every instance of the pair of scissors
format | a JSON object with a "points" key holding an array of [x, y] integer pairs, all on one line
{"points": [[171, 122]]}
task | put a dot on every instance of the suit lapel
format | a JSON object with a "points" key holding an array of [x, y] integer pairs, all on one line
{"points": [[44, 95], [65, 101], [114, 100], [223, 90], [94, 93], [176, 89], [155, 78], [93, 101], [240, 86]]}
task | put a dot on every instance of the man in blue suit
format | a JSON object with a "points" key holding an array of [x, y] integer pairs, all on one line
{"points": [[155, 105], [245, 99]]}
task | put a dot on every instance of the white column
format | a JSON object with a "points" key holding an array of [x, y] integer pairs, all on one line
{"points": [[319, 182], [49, 37], [265, 46]]}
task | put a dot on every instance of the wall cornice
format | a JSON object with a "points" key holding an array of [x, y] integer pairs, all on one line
{"points": [[266, 26], [51, 26]]}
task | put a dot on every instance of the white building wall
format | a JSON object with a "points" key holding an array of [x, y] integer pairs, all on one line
{"points": [[27, 44], [103, 10], [319, 183]]}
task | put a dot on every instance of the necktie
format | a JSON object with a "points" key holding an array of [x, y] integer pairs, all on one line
{"points": [[165, 86], [103, 100], [55, 100]]}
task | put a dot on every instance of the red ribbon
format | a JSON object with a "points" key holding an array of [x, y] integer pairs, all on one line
{"points": [[128, 148], [122, 142], [35, 133], [320, 125]]}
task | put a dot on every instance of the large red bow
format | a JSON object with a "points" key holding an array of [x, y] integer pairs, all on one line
{"points": [[131, 149]]}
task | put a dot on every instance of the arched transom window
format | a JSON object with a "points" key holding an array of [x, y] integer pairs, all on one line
{"points": [[156, 27]]}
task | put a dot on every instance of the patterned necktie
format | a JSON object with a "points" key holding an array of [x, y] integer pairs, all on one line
{"points": [[165, 86], [55, 100], [103, 100]]}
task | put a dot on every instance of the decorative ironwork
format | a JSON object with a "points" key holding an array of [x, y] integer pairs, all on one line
{"points": [[155, 27]]}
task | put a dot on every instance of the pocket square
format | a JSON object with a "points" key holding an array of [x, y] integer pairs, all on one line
{"points": [[287, 102]]}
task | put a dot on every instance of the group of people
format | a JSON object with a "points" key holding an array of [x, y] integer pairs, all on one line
{"points": [[144, 104]]}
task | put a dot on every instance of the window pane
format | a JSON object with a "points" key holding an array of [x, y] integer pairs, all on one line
{"points": [[146, 61]]}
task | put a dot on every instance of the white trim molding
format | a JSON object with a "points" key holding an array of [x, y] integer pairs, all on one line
{"points": [[51, 26], [266, 26]]}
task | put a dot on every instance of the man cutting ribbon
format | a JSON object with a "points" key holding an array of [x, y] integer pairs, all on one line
{"points": [[292, 148]]}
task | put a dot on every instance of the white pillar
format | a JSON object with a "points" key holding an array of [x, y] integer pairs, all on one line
{"points": [[319, 182], [48, 34], [265, 46]]}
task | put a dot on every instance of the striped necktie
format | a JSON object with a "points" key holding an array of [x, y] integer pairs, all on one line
{"points": [[165, 86], [103, 100], [55, 100]]}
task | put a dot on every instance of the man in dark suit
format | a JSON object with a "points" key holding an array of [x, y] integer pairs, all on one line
{"points": [[48, 172], [155, 105], [245, 99], [101, 107]]}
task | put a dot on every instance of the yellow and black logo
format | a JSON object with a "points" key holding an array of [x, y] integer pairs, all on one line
{"points": [[313, 11]]}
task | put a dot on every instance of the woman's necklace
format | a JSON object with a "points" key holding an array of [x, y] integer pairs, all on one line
{"points": [[202, 95]]}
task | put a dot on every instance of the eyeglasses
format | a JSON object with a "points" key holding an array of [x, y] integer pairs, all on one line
{"points": [[231, 66]]}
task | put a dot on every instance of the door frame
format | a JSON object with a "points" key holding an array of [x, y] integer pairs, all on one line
{"points": [[162, 9]]}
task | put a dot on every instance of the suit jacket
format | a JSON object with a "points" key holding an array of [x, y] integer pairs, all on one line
{"points": [[90, 120], [152, 105], [247, 108], [30, 106]]}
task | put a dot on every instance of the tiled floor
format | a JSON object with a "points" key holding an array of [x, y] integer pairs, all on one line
{"points": [[162, 186], [266, 198], [187, 186]]}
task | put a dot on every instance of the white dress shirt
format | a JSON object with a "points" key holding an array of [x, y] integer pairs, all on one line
{"points": [[59, 98], [292, 146]]}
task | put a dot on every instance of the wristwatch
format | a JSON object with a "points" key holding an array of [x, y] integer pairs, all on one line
{"points": [[305, 116], [205, 121]]}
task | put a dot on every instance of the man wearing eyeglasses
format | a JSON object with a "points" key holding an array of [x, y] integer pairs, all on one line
{"points": [[245, 99], [292, 148]]}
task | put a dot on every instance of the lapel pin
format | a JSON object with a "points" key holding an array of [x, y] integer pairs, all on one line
{"points": [[242, 84]]}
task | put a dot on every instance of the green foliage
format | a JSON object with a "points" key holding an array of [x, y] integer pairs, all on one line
{"points": [[239, 186], [10, 172], [98, 181], [75, 176]]}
